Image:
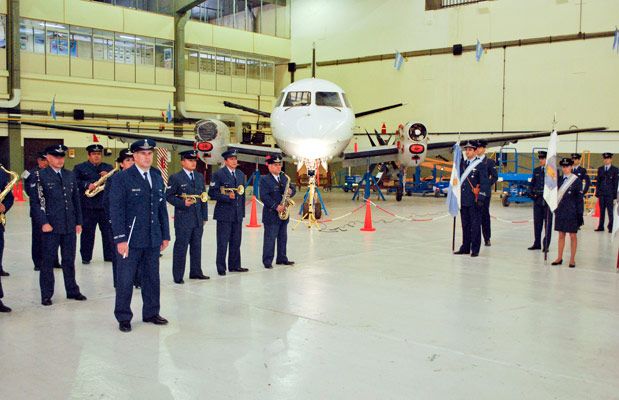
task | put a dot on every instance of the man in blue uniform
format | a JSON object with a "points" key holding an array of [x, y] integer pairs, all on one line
{"points": [[541, 213], [490, 167], [474, 187], [581, 173], [5, 206], [125, 161], [272, 188], [229, 213], [87, 173], [31, 177], [56, 209], [190, 215], [141, 231], [606, 190]]}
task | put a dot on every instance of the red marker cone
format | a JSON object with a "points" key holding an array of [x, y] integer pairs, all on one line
{"points": [[596, 213], [253, 218], [18, 192], [367, 225]]}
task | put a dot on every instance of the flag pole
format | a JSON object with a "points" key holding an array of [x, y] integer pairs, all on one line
{"points": [[453, 237], [546, 244]]}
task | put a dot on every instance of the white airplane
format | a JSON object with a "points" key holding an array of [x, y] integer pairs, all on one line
{"points": [[312, 124]]}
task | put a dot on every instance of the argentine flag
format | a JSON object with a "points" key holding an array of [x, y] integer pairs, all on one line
{"points": [[52, 109], [551, 179], [453, 195]]}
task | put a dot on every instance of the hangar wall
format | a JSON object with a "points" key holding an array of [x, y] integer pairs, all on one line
{"points": [[575, 79]]}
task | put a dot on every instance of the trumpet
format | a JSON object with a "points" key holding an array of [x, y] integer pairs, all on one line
{"points": [[100, 183], [193, 198], [7, 189], [239, 190]]}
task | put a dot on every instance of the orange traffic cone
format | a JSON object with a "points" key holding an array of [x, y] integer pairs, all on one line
{"points": [[596, 213], [18, 192], [367, 225], [253, 218]]}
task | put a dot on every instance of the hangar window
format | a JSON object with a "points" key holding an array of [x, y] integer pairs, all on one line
{"points": [[81, 42], [57, 39], [253, 69], [239, 66], [103, 45], [124, 50], [2, 31], [298, 99], [191, 60], [144, 51], [223, 64], [207, 63], [32, 36], [267, 71], [164, 53], [329, 99]]}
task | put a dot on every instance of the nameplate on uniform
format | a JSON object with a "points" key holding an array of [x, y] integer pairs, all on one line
{"points": [[136, 190]]}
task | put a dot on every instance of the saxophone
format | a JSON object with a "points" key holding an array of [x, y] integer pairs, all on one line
{"points": [[7, 189], [287, 202], [100, 183]]}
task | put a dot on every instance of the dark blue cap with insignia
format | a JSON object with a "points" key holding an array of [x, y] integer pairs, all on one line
{"points": [[189, 155], [229, 153], [94, 148], [57, 150], [542, 154], [482, 143], [566, 162], [470, 144], [143, 145], [41, 155], [123, 155], [273, 158], [576, 156], [607, 155]]}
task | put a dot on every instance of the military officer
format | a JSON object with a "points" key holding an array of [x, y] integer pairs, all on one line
{"points": [[606, 190], [474, 186], [31, 177], [141, 231], [229, 213], [56, 209], [569, 212], [490, 167], [125, 161], [541, 213], [87, 173], [5, 206], [581, 173], [190, 215], [272, 188]]}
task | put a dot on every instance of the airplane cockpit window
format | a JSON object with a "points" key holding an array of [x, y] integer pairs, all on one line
{"points": [[279, 99], [298, 99], [329, 99], [346, 102]]}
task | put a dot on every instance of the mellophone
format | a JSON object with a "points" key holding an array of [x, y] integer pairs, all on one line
{"points": [[240, 190], [193, 198]]}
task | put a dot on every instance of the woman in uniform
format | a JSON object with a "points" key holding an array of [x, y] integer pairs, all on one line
{"points": [[569, 212]]}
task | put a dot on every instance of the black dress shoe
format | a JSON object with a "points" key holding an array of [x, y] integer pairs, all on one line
{"points": [[157, 320], [37, 268], [460, 252], [179, 282], [201, 276], [285, 263], [572, 265], [268, 266], [4, 308], [58, 266], [124, 326], [221, 273], [534, 247], [557, 262], [85, 262], [487, 243], [108, 260], [4, 273], [599, 230], [474, 254], [78, 297], [46, 301], [239, 269]]}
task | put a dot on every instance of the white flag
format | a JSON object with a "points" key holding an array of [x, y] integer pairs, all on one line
{"points": [[616, 213], [551, 179]]}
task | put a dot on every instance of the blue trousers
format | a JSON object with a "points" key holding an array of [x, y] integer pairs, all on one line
{"points": [[606, 205], [541, 213], [485, 220], [277, 232], [471, 228], [92, 217], [228, 241], [192, 238], [146, 261], [50, 242]]}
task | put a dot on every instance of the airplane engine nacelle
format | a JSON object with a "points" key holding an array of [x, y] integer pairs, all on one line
{"points": [[210, 136], [412, 144]]}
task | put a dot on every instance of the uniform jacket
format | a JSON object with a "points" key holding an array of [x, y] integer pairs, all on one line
{"points": [[478, 176], [30, 183], [132, 198], [87, 173], [584, 178], [107, 205], [537, 185], [226, 209], [194, 215], [572, 203], [607, 182], [62, 201], [490, 166], [8, 200], [271, 193]]}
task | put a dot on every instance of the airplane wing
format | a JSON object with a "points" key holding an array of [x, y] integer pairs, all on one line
{"points": [[253, 153], [374, 155]]}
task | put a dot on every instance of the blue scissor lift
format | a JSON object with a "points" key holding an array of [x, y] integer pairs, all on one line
{"points": [[515, 176]]}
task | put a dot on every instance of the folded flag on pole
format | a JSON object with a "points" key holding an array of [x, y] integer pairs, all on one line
{"points": [[397, 64], [479, 51], [551, 179], [453, 195], [616, 219], [52, 109], [616, 40], [169, 116]]}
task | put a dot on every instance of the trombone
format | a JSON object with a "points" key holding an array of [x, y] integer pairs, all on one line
{"points": [[193, 198], [240, 190]]}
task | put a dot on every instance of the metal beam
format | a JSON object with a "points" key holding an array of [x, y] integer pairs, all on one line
{"points": [[182, 6]]}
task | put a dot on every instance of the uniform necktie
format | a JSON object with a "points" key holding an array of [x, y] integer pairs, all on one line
{"points": [[146, 178], [606, 169], [192, 179], [60, 177], [234, 177]]}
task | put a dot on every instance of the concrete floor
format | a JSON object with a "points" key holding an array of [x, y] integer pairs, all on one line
{"points": [[384, 315]]}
